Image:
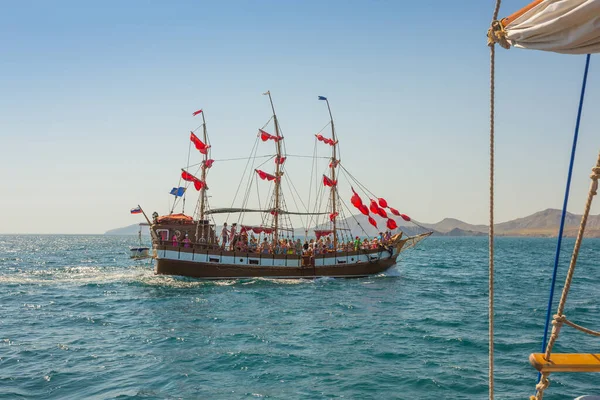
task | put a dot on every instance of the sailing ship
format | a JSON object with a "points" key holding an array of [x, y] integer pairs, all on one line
{"points": [[192, 246], [568, 27]]}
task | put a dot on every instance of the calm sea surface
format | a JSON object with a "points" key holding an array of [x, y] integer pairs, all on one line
{"points": [[79, 319]]}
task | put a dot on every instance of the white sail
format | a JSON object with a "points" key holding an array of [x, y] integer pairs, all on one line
{"points": [[562, 26]]}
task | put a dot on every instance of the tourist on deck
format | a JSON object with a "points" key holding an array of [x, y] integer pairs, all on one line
{"points": [[233, 234], [388, 236], [186, 241], [357, 244], [224, 235], [298, 247], [381, 237], [175, 241], [264, 247]]}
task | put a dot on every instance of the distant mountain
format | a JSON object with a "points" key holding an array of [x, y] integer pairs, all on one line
{"points": [[541, 224], [129, 230], [449, 224], [546, 223]]}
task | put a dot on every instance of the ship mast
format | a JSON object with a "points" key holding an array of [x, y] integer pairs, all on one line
{"points": [[277, 172], [333, 165], [202, 198]]}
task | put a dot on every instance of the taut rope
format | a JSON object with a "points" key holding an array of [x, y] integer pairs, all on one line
{"points": [[491, 44]]}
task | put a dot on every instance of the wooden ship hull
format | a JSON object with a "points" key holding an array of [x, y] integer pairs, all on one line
{"points": [[203, 263]]}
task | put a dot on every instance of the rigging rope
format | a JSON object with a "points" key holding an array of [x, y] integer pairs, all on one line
{"points": [[492, 47]]}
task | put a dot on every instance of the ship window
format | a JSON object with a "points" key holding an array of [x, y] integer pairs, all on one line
{"points": [[241, 260], [253, 262], [213, 259], [352, 259]]}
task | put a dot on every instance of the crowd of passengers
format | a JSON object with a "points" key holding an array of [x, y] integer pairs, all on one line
{"points": [[232, 241]]}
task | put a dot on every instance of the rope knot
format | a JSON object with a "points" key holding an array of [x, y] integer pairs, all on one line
{"points": [[542, 385], [497, 34], [559, 319]]}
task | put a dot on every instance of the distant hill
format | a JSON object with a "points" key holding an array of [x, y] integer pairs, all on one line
{"points": [[540, 224], [449, 224], [129, 230]]}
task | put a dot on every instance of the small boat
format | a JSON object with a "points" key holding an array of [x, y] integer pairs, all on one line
{"points": [[191, 246], [139, 252]]}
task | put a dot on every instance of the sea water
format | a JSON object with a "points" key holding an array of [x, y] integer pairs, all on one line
{"points": [[79, 319]]}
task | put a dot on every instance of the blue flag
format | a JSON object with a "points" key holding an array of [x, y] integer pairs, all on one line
{"points": [[178, 192], [322, 98]]}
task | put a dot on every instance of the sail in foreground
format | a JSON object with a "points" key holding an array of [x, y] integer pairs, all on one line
{"points": [[255, 236], [562, 26]]}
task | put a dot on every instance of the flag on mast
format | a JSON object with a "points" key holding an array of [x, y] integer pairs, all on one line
{"points": [[136, 210], [178, 192]]}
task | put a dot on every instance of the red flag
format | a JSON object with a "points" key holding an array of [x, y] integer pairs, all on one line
{"points": [[328, 182], [186, 176], [355, 200], [333, 215], [391, 224], [405, 217], [263, 175], [382, 213], [273, 212], [200, 145], [264, 135], [334, 164], [394, 211], [373, 222], [198, 184], [363, 209], [382, 202], [320, 137], [374, 207], [280, 160], [208, 163], [196, 113]]}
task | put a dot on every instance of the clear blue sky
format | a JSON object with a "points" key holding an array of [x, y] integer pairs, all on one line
{"points": [[96, 101]]}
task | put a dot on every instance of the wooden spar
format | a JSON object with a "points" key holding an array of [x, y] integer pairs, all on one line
{"points": [[277, 173], [152, 233], [333, 187], [566, 362], [515, 15]]}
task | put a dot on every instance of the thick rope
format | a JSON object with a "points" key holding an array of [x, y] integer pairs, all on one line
{"points": [[491, 231], [541, 386], [581, 328], [560, 318]]}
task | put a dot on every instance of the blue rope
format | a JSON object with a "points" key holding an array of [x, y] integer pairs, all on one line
{"points": [[564, 209]]}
